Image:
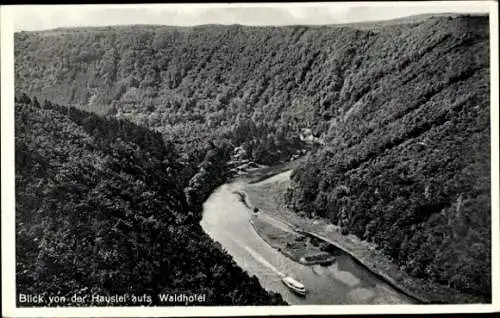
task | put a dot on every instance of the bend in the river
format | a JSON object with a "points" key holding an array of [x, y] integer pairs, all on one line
{"points": [[226, 220]]}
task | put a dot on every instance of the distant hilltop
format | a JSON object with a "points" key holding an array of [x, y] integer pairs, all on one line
{"points": [[359, 25]]}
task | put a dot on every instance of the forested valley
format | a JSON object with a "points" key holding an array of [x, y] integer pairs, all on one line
{"points": [[398, 115], [100, 209]]}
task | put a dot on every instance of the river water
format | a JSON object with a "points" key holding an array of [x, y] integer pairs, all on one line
{"points": [[226, 220]]}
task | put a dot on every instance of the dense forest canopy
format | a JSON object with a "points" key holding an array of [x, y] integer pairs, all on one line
{"points": [[408, 164], [100, 210], [402, 113]]}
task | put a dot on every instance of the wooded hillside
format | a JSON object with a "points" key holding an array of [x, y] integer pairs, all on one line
{"points": [[100, 210], [407, 164], [402, 113]]}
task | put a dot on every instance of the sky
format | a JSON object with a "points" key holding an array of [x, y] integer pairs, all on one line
{"points": [[28, 18]]}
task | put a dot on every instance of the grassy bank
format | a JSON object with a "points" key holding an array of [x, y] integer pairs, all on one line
{"points": [[265, 173], [292, 244], [266, 196]]}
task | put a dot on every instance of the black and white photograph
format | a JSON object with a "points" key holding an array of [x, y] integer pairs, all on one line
{"points": [[212, 156]]}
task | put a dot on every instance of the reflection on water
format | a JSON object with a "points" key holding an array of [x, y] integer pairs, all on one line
{"points": [[226, 220]]}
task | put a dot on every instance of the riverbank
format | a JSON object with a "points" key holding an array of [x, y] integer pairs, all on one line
{"points": [[267, 196], [294, 245], [284, 238], [345, 282], [258, 175]]}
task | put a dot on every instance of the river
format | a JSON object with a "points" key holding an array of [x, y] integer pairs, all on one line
{"points": [[226, 220]]}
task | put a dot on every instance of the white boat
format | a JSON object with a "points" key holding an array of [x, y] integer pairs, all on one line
{"points": [[294, 285]]}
